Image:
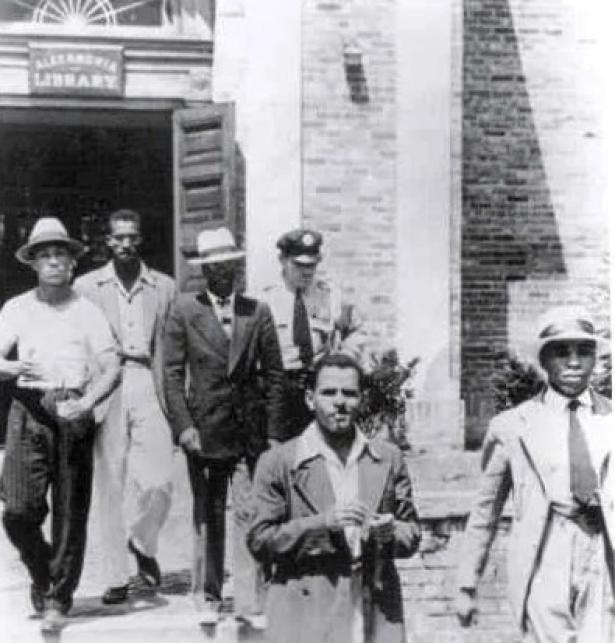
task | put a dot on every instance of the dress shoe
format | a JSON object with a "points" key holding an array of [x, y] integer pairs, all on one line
{"points": [[53, 619], [208, 611], [115, 595], [147, 566], [253, 621], [37, 598]]}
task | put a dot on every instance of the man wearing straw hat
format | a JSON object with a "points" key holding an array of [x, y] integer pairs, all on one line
{"points": [[228, 344], [133, 448], [66, 364], [554, 455]]}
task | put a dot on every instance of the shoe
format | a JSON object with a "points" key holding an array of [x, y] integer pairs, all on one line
{"points": [[37, 598], [147, 566], [53, 619], [208, 612], [253, 621], [115, 595]]}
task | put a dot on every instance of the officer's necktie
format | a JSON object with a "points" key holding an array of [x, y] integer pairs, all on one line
{"points": [[302, 338], [583, 478]]}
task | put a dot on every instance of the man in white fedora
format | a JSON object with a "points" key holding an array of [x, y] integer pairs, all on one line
{"points": [[227, 342], [66, 364], [553, 455], [133, 449]]}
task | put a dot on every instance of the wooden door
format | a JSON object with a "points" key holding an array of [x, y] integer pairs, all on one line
{"points": [[204, 181]]}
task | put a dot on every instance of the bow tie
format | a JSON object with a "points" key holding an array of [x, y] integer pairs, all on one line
{"points": [[223, 301]]}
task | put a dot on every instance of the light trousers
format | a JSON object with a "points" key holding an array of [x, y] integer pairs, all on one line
{"points": [[570, 599], [133, 465]]}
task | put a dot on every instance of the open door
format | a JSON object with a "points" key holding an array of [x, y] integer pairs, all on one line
{"points": [[204, 181]]}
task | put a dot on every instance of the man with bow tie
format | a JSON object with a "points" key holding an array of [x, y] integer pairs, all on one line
{"points": [[554, 455], [311, 319], [228, 344]]}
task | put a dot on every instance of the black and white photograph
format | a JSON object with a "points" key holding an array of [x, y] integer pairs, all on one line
{"points": [[305, 321]]}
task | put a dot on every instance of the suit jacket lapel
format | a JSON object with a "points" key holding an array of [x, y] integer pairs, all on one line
{"points": [[373, 475], [150, 308], [208, 325], [311, 482], [109, 303], [544, 439], [243, 320]]}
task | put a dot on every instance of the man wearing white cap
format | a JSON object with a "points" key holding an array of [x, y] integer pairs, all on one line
{"points": [[228, 344], [310, 319], [133, 448], [552, 454], [66, 364]]}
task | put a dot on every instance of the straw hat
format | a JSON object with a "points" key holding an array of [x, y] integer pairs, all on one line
{"points": [[48, 230], [215, 245], [565, 323]]}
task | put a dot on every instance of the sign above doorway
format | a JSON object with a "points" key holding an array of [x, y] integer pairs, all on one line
{"points": [[66, 70]]}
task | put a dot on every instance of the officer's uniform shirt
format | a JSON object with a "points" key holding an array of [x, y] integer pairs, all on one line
{"points": [[324, 308]]}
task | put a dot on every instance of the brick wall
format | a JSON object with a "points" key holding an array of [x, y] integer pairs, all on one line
{"points": [[531, 171], [429, 589], [349, 151]]}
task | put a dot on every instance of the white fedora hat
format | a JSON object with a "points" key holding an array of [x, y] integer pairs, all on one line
{"points": [[566, 323], [215, 245], [48, 230]]}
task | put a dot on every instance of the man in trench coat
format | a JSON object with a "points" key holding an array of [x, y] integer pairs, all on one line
{"points": [[331, 512]]}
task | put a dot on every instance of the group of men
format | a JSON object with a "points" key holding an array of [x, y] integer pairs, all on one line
{"points": [[109, 372]]}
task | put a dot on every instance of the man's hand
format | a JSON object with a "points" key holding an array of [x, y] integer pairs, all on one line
{"points": [[72, 410], [190, 440], [291, 357], [465, 606], [28, 370], [382, 528], [352, 514]]}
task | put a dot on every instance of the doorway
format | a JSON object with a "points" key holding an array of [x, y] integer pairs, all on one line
{"points": [[79, 166]]}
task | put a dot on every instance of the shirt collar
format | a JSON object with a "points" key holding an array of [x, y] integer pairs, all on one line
{"points": [[109, 274], [214, 299], [311, 444], [559, 402]]}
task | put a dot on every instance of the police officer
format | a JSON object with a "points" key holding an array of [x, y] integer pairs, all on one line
{"points": [[310, 319]]}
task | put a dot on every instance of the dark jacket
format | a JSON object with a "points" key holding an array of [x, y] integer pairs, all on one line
{"points": [[234, 385], [308, 599]]}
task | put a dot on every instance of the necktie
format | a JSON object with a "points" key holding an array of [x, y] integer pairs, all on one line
{"points": [[583, 478], [301, 330], [223, 301]]}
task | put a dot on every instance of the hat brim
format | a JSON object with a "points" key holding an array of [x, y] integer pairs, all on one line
{"points": [[305, 260], [25, 254], [602, 343], [229, 255]]}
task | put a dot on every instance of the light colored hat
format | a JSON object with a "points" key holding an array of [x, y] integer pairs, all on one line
{"points": [[564, 323], [215, 245], [48, 230]]}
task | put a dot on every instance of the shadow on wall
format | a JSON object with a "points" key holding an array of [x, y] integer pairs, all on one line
{"points": [[509, 231]]}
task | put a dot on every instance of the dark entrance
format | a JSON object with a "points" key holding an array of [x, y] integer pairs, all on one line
{"points": [[79, 165]]}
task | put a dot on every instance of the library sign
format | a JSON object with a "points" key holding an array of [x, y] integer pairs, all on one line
{"points": [[76, 71]]}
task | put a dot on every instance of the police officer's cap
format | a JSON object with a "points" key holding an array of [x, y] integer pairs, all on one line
{"points": [[302, 246]]}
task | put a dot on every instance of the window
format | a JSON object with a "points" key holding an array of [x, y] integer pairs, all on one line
{"points": [[78, 14]]}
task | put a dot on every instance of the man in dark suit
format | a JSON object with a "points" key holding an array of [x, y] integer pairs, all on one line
{"points": [[233, 403]]}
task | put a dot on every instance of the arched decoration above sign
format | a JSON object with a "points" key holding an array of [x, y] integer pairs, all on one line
{"points": [[78, 14]]}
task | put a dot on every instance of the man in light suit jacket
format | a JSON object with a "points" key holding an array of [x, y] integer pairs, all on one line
{"points": [[554, 455], [228, 344], [331, 512], [134, 444]]}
